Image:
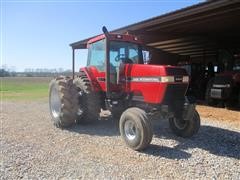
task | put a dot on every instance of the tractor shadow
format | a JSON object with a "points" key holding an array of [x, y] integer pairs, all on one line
{"points": [[166, 152], [110, 128], [217, 141], [98, 128]]}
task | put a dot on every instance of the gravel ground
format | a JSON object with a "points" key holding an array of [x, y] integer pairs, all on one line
{"points": [[32, 148]]}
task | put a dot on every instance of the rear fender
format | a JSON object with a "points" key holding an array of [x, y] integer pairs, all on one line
{"points": [[91, 77]]}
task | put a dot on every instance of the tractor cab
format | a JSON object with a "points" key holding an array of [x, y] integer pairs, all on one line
{"points": [[119, 50]]}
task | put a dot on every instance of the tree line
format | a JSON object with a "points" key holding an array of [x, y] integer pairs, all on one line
{"points": [[33, 72]]}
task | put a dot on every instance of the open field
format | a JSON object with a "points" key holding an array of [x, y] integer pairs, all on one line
{"points": [[24, 88]]}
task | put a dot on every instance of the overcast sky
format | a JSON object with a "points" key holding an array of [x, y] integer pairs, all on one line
{"points": [[37, 34]]}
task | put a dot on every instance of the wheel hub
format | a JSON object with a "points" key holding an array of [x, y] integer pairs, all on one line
{"points": [[130, 130], [55, 102], [180, 124]]}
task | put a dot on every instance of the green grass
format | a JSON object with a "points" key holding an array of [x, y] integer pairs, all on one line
{"points": [[24, 88]]}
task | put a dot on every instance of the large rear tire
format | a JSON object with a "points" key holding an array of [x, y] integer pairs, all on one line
{"points": [[63, 105], [185, 128], [135, 128], [88, 101]]}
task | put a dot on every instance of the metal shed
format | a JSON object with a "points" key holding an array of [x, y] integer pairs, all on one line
{"points": [[196, 31]]}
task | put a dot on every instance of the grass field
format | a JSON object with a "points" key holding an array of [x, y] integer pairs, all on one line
{"points": [[24, 88]]}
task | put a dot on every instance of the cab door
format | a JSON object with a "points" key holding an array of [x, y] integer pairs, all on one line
{"points": [[115, 55]]}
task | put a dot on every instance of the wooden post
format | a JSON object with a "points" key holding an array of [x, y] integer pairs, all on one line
{"points": [[73, 63]]}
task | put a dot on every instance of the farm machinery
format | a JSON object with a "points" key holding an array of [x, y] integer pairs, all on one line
{"points": [[224, 88], [116, 84]]}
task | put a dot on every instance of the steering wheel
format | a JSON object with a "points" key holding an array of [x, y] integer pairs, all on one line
{"points": [[120, 57]]}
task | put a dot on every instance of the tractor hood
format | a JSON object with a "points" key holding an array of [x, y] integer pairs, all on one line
{"points": [[155, 84], [154, 71]]}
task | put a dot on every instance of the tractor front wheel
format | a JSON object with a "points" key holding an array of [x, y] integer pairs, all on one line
{"points": [[135, 128], [185, 128]]}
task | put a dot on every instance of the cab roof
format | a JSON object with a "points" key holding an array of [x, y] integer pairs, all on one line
{"points": [[116, 37]]}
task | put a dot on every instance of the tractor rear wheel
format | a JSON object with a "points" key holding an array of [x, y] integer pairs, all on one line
{"points": [[185, 128], [88, 101], [135, 128], [63, 105]]}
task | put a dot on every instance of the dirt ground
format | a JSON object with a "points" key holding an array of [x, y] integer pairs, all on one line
{"points": [[220, 114]]}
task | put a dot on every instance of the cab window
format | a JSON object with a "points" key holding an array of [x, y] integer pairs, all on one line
{"points": [[96, 55], [124, 52]]}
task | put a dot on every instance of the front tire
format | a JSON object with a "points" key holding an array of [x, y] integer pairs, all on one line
{"points": [[135, 128], [185, 128]]}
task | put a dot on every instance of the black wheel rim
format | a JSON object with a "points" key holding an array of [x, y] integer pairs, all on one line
{"points": [[179, 123]]}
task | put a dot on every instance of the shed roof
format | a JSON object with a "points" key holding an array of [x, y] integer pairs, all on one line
{"points": [[198, 30]]}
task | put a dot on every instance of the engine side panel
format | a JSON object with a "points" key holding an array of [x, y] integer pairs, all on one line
{"points": [[143, 81]]}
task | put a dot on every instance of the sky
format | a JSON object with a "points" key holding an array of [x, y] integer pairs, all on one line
{"points": [[37, 34]]}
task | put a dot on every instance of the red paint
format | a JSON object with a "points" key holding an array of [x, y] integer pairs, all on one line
{"points": [[152, 92], [113, 37]]}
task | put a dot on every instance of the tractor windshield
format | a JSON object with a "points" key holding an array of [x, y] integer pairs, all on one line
{"points": [[124, 52], [119, 52]]}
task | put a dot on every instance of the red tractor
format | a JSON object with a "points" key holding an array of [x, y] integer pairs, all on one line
{"points": [[117, 84], [224, 88]]}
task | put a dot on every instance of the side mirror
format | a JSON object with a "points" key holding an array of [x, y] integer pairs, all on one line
{"points": [[146, 56]]}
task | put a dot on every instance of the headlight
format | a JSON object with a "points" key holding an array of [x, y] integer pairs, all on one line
{"points": [[185, 79], [167, 79]]}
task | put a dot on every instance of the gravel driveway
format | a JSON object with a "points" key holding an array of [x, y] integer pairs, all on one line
{"points": [[32, 148]]}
